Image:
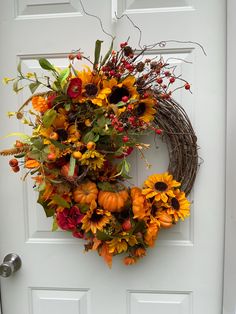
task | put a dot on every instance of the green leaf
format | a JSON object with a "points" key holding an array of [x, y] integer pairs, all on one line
{"points": [[101, 121], [16, 88], [60, 201], [89, 136], [97, 52], [37, 142], [58, 144], [126, 166], [19, 134], [48, 210], [20, 155], [102, 236], [83, 207], [49, 117], [139, 226], [34, 86], [96, 138], [72, 166], [46, 65], [64, 75], [105, 186], [54, 224], [42, 186], [19, 68], [107, 54]]}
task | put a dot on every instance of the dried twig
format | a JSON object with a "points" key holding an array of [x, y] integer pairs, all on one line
{"points": [[181, 141]]}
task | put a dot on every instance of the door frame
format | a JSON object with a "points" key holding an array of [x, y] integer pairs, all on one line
{"points": [[229, 295]]}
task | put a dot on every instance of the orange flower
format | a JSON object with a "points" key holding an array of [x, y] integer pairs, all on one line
{"points": [[140, 205], [151, 233], [39, 104], [140, 252], [107, 256], [128, 260], [31, 164]]}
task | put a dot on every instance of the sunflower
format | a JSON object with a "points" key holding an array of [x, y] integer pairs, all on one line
{"points": [[91, 88], [121, 244], [119, 90], [160, 186], [95, 219], [144, 109], [178, 206], [93, 159]]}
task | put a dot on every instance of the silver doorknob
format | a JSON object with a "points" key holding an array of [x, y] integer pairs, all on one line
{"points": [[10, 265]]}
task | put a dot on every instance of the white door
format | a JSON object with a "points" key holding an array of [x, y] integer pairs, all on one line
{"points": [[183, 273]]}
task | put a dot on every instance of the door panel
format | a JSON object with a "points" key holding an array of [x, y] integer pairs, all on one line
{"points": [[183, 273]]}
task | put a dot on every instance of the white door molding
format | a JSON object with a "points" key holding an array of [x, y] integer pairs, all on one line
{"points": [[230, 229]]}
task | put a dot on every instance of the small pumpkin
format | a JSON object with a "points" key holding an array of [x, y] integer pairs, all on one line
{"points": [[85, 193], [165, 219], [113, 201]]}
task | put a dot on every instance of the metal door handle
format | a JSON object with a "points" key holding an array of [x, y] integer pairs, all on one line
{"points": [[10, 265]]}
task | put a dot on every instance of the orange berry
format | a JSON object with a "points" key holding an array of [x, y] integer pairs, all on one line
{"points": [[77, 155], [91, 145], [54, 136], [87, 122], [52, 156], [19, 144]]}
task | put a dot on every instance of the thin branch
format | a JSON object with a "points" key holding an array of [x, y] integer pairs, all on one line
{"points": [[98, 18]]}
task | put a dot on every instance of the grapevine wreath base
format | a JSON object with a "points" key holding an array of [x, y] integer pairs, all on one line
{"points": [[85, 123]]}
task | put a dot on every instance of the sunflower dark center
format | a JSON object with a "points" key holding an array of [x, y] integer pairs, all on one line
{"points": [[62, 134], [95, 217], [154, 210], [117, 94], [175, 203], [161, 186], [91, 89], [141, 108]]}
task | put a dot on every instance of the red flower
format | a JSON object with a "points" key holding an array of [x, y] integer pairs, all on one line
{"points": [[78, 234], [75, 88], [69, 219], [50, 100]]}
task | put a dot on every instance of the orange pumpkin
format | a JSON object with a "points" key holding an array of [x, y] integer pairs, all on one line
{"points": [[85, 193], [113, 201], [165, 219]]}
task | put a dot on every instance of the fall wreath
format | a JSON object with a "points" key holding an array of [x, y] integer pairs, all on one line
{"points": [[85, 125]]}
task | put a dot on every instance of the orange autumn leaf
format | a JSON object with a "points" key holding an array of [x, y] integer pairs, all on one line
{"points": [[30, 164], [38, 179], [106, 255], [96, 244], [48, 191]]}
